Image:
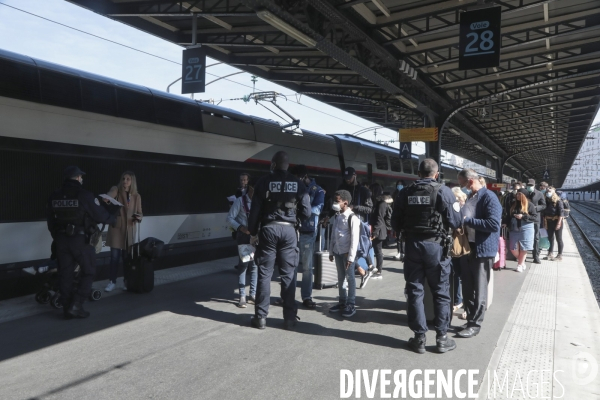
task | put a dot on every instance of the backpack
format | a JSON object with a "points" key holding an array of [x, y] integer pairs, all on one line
{"points": [[566, 208], [364, 240]]}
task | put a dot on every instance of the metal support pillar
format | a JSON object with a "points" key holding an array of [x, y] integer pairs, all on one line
{"points": [[500, 169]]}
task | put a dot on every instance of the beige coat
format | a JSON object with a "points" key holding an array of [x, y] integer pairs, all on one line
{"points": [[116, 236]]}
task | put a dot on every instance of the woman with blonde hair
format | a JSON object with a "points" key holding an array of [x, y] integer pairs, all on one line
{"points": [[122, 235], [520, 220], [553, 222]]}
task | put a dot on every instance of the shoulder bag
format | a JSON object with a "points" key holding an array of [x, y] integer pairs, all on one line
{"points": [[460, 243]]}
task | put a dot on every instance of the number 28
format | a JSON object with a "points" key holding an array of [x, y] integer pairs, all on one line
{"points": [[486, 41]]}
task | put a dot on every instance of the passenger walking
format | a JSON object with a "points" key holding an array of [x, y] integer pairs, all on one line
{"points": [[344, 245], [308, 233], [521, 221], [279, 200], [482, 217], [122, 235], [425, 214], [459, 262], [72, 215], [539, 202], [237, 218], [381, 222], [553, 222]]}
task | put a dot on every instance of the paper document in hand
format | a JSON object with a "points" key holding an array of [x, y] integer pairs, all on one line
{"points": [[231, 198], [113, 201], [246, 252]]}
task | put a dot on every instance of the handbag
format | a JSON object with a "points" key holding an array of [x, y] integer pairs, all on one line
{"points": [[460, 243]]}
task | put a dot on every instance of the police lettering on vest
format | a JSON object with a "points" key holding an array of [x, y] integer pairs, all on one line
{"points": [[65, 203], [420, 214], [288, 187]]}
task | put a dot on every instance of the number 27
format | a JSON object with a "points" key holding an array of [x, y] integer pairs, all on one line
{"points": [[190, 70]]}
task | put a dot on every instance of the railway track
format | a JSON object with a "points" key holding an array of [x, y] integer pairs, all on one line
{"points": [[578, 210]]}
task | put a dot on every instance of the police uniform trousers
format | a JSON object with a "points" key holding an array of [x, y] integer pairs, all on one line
{"points": [[277, 244], [423, 260], [73, 250]]}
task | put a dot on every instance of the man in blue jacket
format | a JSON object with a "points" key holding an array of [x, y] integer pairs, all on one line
{"points": [[482, 217], [308, 233]]}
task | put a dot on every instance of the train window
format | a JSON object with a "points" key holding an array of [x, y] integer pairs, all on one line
{"points": [[406, 167], [135, 105], [415, 164], [59, 89], [381, 161], [395, 164], [178, 114], [98, 97], [19, 81]]}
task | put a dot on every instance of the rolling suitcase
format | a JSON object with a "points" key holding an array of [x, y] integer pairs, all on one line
{"points": [[139, 270], [325, 271], [501, 263]]}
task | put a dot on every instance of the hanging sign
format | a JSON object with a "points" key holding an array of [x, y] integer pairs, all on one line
{"points": [[405, 150], [193, 75], [546, 176], [418, 135], [479, 39]]}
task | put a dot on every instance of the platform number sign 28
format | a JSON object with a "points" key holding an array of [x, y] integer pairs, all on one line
{"points": [[193, 75], [480, 40]]}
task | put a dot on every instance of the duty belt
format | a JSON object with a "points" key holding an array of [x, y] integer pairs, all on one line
{"points": [[553, 218], [281, 223]]}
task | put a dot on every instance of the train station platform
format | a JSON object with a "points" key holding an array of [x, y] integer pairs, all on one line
{"points": [[187, 339]]}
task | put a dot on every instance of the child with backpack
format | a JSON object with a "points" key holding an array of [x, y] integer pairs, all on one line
{"points": [[344, 246]]}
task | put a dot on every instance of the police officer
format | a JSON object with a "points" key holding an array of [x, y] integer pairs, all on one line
{"points": [[424, 214], [279, 199], [308, 233], [72, 217]]}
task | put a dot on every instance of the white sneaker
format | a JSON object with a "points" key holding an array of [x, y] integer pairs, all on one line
{"points": [[398, 256], [30, 270], [519, 268], [524, 267], [109, 287]]}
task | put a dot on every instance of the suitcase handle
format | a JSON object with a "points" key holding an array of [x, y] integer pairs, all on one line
{"points": [[138, 240]]}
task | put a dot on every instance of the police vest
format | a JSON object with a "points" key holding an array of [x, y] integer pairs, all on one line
{"points": [[420, 215], [281, 198], [67, 209]]}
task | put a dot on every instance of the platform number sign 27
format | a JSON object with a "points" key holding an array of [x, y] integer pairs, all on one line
{"points": [[193, 75], [480, 40]]}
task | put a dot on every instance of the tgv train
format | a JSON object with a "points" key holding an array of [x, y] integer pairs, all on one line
{"points": [[186, 155]]}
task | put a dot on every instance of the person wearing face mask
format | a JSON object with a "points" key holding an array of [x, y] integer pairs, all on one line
{"points": [[72, 212], [482, 218], [279, 200], [553, 222], [543, 188], [539, 202], [510, 197], [425, 213], [308, 233]]}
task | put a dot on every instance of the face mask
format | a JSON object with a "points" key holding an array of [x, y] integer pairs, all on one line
{"points": [[466, 191], [514, 191], [544, 191], [548, 195], [336, 207], [399, 187], [530, 189]]}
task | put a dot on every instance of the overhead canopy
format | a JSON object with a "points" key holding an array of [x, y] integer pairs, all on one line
{"points": [[395, 63]]}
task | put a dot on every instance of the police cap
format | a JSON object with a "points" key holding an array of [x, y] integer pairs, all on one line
{"points": [[72, 172]]}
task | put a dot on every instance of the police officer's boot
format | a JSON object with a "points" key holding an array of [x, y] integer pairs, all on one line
{"points": [[258, 322], [290, 324], [444, 343], [417, 343], [76, 310]]}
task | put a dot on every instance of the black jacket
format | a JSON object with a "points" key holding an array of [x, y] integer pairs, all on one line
{"points": [[531, 216], [539, 202], [381, 218]]}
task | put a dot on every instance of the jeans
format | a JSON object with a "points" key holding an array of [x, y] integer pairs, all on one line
{"points": [[536, 242], [306, 245], [364, 262], [345, 273], [552, 232], [242, 267], [457, 266], [116, 256]]}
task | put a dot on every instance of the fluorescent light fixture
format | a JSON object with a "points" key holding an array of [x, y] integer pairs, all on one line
{"points": [[478, 147], [457, 133], [285, 28], [495, 157], [406, 101]]}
